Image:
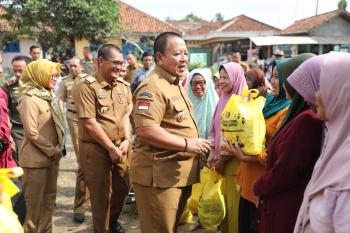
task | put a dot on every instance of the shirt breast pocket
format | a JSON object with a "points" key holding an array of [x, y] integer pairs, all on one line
{"points": [[180, 111], [103, 105]]}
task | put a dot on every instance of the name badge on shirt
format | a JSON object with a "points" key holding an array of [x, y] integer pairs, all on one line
{"points": [[102, 96]]}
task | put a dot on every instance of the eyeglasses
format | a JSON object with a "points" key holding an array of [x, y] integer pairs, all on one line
{"points": [[54, 77], [199, 83]]}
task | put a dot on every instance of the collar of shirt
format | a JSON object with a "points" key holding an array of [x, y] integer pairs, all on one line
{"points": [[102, 81], [165, 74]]}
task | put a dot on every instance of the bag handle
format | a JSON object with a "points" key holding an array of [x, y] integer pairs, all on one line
{"points": [[250, 94]]}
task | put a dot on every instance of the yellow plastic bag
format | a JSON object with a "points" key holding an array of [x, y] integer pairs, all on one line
{"points": [[192, 202], [8, 219], [211, 207], [243, 122]]}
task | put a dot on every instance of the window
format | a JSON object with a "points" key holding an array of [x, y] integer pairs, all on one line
{"points": [[12, 47]]}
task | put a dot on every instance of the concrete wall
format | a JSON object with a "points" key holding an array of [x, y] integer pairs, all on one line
{"points": [[335, 27], [79, 45], [24, 45]]}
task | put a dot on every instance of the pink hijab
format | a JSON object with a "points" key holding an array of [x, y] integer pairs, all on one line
{"points": [[236, 75], [332, 168], [306, 78]]}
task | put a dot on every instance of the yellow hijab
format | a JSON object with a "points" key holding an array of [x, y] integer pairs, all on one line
{"points": [[35, 80]]}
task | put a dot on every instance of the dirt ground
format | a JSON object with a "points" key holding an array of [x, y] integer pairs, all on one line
{"points": [[62, 219]]}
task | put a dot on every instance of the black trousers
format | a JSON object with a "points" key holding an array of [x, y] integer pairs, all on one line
{"points": [[18, 202], [246, 216]]}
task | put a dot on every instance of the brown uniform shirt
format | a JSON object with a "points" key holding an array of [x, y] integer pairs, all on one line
{"points": [[40, 136], [65, 93], [107, 103], [161, 101], [130, 71]]}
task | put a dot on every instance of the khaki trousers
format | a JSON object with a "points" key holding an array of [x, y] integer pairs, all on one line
{"points": [[108, 185], [81, 199], [40, 186], [160, 209]]}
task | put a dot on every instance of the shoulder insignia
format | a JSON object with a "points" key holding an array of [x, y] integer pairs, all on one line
{"points": [[126, 83], [83, 75], [145, 93], [89, 79], [123, 81]]}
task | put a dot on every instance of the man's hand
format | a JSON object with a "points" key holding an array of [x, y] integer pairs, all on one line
{"points": [[124, 147], [116, 154], [13, 145], [198, 145], [58, 155]]}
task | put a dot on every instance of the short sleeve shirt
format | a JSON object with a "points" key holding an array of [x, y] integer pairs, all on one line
{"points": [[161, 102], [106, 102]]}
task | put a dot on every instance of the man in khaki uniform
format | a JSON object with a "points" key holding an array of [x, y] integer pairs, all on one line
{"points": [[131, 68], [104, 105], [165, 163], [65, 95]]}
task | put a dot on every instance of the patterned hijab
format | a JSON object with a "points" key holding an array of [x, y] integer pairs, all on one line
{"points": [[236, 75], [35, 80], [203, 106]]}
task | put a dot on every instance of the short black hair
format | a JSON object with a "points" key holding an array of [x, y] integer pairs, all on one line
{"points": [[26, 59], [146, 54], [34, 47], [161, 41], [105, 50]]}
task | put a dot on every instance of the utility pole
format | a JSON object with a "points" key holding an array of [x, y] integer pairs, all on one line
{"points": [[316, 7]]}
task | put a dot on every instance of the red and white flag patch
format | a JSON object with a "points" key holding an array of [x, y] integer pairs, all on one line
{"points": [[143, 106]]}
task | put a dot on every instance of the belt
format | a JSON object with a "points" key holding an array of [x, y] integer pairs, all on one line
{"points": [[69, 110]]}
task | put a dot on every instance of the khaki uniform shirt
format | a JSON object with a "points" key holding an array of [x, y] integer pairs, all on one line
{"points": [[130, 71], [161, 101], [107, 103], [65, 93], [40, 136]]}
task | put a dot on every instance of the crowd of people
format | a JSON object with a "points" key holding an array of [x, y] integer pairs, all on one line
{"points": [[150, 128]]}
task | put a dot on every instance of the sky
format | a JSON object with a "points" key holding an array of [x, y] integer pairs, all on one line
{"points": [[277, 13]]}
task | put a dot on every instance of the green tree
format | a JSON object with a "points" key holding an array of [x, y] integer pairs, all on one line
{"points": [[193, 17], [55, 23], [219, 17], [342, 4]]}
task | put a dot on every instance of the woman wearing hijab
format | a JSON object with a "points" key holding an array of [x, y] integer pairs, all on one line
{"points": [[251, 168], [216, 79], [256, 80], [232, 81], [291, 156], [44, 138], [203, 97], [326, 203]]}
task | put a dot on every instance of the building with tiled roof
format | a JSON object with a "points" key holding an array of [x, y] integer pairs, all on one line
{"points": [[317, 34], [219, 39], [308, 25], [135, 21]]}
